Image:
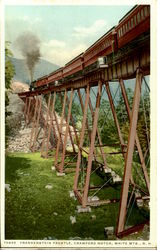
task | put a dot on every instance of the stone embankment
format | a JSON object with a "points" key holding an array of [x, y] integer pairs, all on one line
{"points": [[21, 141]]}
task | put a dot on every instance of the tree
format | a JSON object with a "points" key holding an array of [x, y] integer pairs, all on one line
{"points": [[9, 68], [9, 73]]}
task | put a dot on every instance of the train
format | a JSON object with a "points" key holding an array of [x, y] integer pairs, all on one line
{"points": [[134, 24]]}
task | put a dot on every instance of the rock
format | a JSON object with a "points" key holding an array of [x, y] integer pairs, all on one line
{"points": [[72, 195], [137, 194], [81, 209], [7, 187], [50, 238], [49, 186], [73, 219], [75, 238], [93, 198], [109, 230], [117, 178], [113, 173], [140, 203], [26, 174], [107, 170], [89, 238], [21, 173], [93, 217], [60, 174]]}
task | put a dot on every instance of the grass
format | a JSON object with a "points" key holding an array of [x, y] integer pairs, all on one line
{"points": [[30, 208]]}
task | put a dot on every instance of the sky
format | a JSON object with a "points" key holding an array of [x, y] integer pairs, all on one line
{"points": [[64, 31]]}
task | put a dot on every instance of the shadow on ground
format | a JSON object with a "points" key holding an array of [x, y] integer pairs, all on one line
{"points": [[13, 165]]}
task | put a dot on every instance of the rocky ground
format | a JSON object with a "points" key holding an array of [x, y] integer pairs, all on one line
{"points": [[19, 139], [19, 135]]}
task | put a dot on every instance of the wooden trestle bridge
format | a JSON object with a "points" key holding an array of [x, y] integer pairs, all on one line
{"points": [[131, 61]]}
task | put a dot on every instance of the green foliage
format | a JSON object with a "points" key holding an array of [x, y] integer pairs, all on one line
{"points": [[58, 104], [143, 126], [106, 124], [30, 208], [9, 73], [9, 68]]}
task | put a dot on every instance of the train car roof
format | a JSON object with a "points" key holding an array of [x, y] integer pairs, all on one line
{"points": [[100, 39], [128, 13], [40, 78], [75, 58], [55, 71]]}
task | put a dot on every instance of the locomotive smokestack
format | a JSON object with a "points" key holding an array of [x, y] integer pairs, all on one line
{"points": [[29, 44]]}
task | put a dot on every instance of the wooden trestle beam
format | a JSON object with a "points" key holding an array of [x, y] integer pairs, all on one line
{"points": [[91, 150], [81, 141], [25, 107], [50, 127], [127, 68], [36, 127], [99, 137], [129, 155], [61, 166], [60, 129], [45, 127], [34, 122], [142, 160], [67, 123]]}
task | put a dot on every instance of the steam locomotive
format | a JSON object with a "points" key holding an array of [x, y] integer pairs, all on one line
{"points": [[135, 23]]}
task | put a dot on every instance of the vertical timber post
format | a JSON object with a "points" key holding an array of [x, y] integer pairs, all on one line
{"points": [[90, 156], [136, 136], [81, 139], [66, 132], [60, 129], [37, 123], [25, 108], [129, 155], [115, 117], [57, 125], [99, 138], [34, 121], [45, 125], [28, 111], [70, 133], [81, 102], [50, 125]]}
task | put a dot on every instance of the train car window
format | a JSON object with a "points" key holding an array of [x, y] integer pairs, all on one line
{"points": [[119, 32], [138, 17], [142, 16], [123, 29], [135, 20], [145, 11], [126, 27], [132, 22], [148, 10]]}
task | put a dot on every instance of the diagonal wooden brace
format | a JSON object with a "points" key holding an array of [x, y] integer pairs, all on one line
{"points": [[91, 151], [136, 136], [81, 140], [129, 154]]}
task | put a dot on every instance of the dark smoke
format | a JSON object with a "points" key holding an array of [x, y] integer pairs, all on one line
{"points": [[29, 44]]}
